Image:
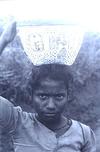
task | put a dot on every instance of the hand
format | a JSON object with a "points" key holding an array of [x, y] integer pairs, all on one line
{"points": [[7, 36], [9, 33]]}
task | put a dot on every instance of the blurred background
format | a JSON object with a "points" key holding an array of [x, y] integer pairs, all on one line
{"points": [[15, 68]]}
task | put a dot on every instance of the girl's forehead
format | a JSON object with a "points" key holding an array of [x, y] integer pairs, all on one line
{"points": [[51, 84]]}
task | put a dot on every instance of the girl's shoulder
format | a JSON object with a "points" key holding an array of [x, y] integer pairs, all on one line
{"points": [[85, 130]]}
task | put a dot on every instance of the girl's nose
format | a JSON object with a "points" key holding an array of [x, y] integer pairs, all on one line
{"points": [[51, 104]]}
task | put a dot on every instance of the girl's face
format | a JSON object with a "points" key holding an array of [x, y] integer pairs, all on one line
{"points": [[49, 99]]}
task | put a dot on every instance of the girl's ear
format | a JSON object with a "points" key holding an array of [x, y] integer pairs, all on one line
{"points": [[70, 95]]}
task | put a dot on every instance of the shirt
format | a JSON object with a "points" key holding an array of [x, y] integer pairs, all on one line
{"points": [[29, 135]]}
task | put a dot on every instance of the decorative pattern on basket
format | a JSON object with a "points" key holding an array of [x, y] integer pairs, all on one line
{"points": [[51, 44]]}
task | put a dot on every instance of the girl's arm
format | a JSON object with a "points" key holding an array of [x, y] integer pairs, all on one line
{"points": [[7, 36]]}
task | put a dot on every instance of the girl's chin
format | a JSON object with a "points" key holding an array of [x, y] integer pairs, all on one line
{"points": [[49, 118]]}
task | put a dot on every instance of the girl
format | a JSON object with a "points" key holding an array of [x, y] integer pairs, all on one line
{"points": [[46, 130]]}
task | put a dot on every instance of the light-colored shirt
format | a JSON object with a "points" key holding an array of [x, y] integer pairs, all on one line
{"points": [[29, 135]]}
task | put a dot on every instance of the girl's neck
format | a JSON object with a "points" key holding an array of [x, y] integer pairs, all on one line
{"points": [[55, 124]]}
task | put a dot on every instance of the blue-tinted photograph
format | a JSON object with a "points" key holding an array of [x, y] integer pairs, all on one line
{"points": [[49, 76]]}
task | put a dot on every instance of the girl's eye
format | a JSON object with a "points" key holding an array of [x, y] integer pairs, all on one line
{"points": [[59, 97], [43, 96]]}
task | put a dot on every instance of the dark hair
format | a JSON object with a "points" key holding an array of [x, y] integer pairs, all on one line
{"points": [[58, 72]]}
